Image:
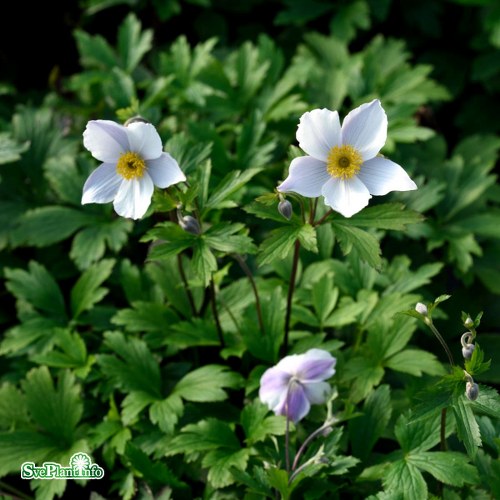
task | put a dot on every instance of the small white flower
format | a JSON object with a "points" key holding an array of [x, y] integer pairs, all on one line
{"points": [[343, 163], [133, 163]]}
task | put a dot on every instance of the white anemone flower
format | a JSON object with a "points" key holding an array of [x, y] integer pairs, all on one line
{"points": [[343, 163], [133, 163]]}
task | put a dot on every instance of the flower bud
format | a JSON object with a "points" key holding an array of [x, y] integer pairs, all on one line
{"points": [[422, 309], [285, 209], [135, 119], [468, 323], [190, 224], [471, 391], [467, 351]]}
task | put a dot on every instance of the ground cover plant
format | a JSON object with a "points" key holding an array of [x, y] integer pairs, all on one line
{"points": [[250, 250]]}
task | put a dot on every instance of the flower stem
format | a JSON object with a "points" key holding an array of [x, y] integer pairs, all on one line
{"points": [[435, 331], [186, 284], [216, 314], [320, 221], [305, 444], [291, 289], [247, 271]]}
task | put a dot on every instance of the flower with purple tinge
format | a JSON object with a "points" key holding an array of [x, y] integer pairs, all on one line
{"points": [[344, 165], [296, 382], [133, 163]]}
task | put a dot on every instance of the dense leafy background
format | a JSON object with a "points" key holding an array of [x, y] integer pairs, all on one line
{"points": [[103, 349]]}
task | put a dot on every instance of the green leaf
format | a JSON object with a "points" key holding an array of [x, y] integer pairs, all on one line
{"points": [[56, 409], [278, 245], [404, 479], [467, 428], [278, 479], [220, 462], [324, 297], [418, 435], [13, 409], [173, 240], [209, 434], [145, 317], [222, 237], [94, 51], [133, 404], [44, 226], [154, 472], [365, 244], [258, 426], [166, 413], [447, 467], [307, 238], [87, 291], [37, 287], [89, 245], [207, 384], [365, 430], [488, 402], [364, 374], [132, 44], [203, 262], [231, 183], [136, 369], [10, 150], [415, 362]]}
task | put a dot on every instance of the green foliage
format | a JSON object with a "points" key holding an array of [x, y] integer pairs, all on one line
{"points": [[143, 342]]}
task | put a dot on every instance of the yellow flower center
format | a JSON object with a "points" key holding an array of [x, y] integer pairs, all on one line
{"points": [[343, 161], [130, 166]]}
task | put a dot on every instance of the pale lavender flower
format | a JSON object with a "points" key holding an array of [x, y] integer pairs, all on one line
{"points": [[133, 163], [344, 165], [296, 382]]}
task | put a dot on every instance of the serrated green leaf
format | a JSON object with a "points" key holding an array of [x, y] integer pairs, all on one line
{"points": [[207, 384], [203, 262], [10, 150], [278, 244], [467, 427], [94, 51], [133, 404], [166, 413], [365, 430], [145, 317], [257, 425], [87, 291], [132, 44], [220, 463], [447, 467], [136, 369], [222, 237], [209, 434], [365, 244], [13, 409], [37, 287], [307, 238], [415, 362], [488, 402], [404, 479], [364, 374], [155, 472], [56, 409]]}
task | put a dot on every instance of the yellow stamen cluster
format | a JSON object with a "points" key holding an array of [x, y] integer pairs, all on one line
{"points": [[131, 166], [343, 162]]}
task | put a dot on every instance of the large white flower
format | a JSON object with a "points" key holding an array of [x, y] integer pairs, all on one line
{"points": [[133, 163], [343, 165]]}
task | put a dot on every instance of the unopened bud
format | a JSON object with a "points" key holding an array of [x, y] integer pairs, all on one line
{"points": [[467, 351], [135, 119], [471, 391], [285, 209], [190, 224], [468, 323], [422, 309]]}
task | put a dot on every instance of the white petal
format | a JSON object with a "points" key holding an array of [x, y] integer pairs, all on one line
{"points": [[106, 140], [165, 171], [306, 176], [317, 392], [144, 140], [381, 176], [134, 197], [365, 128], [315, 365], [347, 197], [318, 132], [101, 185], [273, 387]]}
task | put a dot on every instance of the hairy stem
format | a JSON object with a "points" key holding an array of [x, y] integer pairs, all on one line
{"points": [[291, 289], [305, 444], [248, 272], [435, 331]]}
